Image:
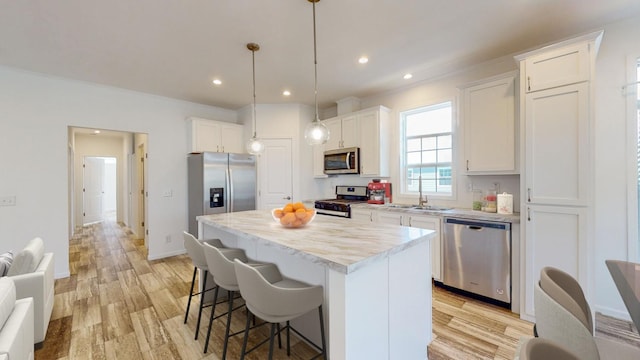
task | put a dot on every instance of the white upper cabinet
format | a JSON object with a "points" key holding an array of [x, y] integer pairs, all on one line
{"points": [[335, 133], [350, 131], [557, 146], [374, 142], [490, 127], [563, 66], [215, 136]]}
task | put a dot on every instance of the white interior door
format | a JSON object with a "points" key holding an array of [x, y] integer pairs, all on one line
{"points": [[275, 165], [92, 190]]}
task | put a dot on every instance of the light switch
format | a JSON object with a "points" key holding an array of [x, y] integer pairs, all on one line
{"points": [[167, 193], [8, 201]]}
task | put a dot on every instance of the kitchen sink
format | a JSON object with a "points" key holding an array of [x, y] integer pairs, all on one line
{"points": [[432, 208], [400, 206]]}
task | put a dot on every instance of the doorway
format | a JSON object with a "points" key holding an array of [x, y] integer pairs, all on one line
{"points": [[99, 189]]}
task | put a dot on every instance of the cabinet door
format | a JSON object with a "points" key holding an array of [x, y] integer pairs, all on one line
{"points": [[350, 131], [361, 214], [557, 145], [231, 139], [206, 136], [374, 144], [335, 134], [431, 223], [389, 217], [568, 65], [555, 236], [489, 123]]}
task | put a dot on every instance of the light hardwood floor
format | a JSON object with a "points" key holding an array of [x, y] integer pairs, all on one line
{"points": [[118, 305]]}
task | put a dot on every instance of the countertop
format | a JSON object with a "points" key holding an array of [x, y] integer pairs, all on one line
{"points": [[458, 213], [342, 244]]}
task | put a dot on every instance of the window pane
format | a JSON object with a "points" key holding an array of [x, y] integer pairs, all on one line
{"points": [[444, 155], [429, 143], [429, 157], [413, 158], [444, 141], [413, 144]]}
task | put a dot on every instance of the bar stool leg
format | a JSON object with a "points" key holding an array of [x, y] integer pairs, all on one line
{"points": [[213, 311], [273, 330], [288, 333], [226, 334], [324, 342], [193, 281], [246, 335], [204, 287]]}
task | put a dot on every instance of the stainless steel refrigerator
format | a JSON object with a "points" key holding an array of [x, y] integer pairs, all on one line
{"points": [[220, 183]]}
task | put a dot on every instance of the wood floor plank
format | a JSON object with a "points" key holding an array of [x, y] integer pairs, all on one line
{"points": [[116, 320]]}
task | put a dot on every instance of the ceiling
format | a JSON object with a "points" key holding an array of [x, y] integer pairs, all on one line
{"points": [[176, 48]]}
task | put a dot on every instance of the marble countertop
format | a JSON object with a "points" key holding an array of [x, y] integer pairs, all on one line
{"points": [[342, 244], [458, 213]]}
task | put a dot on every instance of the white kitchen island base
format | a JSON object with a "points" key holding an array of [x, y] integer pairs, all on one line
{"points": [[376, 306]]}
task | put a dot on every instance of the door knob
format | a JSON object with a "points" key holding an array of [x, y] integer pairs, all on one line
{"points": [[287, 198]]}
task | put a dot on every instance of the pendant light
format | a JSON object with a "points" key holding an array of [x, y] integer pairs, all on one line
{"points": [[254, 145], [316, 133]]}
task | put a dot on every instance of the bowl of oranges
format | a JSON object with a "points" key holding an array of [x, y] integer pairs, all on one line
{"points": [[293, 215]]}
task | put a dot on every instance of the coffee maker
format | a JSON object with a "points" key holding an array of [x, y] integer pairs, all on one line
{"points": [[379, 192]]}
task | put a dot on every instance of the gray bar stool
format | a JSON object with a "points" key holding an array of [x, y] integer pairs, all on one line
{"points": [[196, 253], [275, 299], [220, 262], [545, 349]]}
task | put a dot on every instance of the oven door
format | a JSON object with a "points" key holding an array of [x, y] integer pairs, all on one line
{"points": [[342, 161]]}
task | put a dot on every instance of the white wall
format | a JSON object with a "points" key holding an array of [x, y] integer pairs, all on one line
{"points": [[35, 113], [611, 155]]}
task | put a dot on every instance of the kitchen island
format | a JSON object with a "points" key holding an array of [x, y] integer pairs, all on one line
{"points": [[376, 278]]}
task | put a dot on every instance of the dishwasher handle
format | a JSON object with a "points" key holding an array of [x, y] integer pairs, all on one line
{"points": [[477, 225]]}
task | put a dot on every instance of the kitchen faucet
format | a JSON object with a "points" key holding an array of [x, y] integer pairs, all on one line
{"points": [[422, 201]]}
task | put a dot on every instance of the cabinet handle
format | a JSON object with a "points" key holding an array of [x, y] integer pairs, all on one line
{"points": [[222, 148], [528, 83], [371, 216], [528, 214], [528, 194], [467, 165], [217, 148], [410, 221]]}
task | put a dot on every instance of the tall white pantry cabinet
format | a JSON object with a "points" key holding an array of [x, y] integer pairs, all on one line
{"points": [[556, 112]]}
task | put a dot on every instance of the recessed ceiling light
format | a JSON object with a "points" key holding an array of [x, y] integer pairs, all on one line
{"points": [[217, 82], [286, 93], [407, 76], [363, 60], [96, 132]]}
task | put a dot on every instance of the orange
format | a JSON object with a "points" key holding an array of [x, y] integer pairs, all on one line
{"points": [[296, 223], [278, 213], [301, 213], [298, 205], [288, 208], [288, 218]]}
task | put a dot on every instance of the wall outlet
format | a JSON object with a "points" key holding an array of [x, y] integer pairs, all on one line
{"points": [[168, 239], [167, 193], [8, 201]]}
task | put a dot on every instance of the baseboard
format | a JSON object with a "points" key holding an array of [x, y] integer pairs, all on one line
{"points": [[166, 255], [618, 314], [62, 275]]}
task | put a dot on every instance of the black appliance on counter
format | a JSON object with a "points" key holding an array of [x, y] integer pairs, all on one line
{"points": [[341, 205]]}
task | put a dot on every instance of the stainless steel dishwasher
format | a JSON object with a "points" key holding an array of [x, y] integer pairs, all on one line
{"points": [[477, 257]]}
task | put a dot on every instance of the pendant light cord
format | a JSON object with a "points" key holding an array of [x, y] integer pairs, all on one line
{"points": [[315, 60], [253, 58]]}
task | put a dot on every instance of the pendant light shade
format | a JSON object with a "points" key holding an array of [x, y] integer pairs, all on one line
{"points": [[316, 133], [254, 145]]}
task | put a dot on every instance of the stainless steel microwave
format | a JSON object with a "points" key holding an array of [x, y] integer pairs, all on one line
{"points": [[342, 161]]}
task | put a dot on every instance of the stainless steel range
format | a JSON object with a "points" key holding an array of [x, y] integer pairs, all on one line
{"points": [[341, 205]]}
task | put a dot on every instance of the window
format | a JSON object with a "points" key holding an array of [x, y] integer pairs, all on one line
{"points": [[427, 140]]}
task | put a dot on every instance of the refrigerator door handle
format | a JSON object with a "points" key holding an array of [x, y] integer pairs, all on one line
{"points": [[230, 187]]}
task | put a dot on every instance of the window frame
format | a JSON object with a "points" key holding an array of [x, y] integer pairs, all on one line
{"points": [[633, 204], [403, 148]]}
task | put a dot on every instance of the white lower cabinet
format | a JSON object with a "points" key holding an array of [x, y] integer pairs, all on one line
{"points": [[555, 236], [418, 221], [362, 214]]}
